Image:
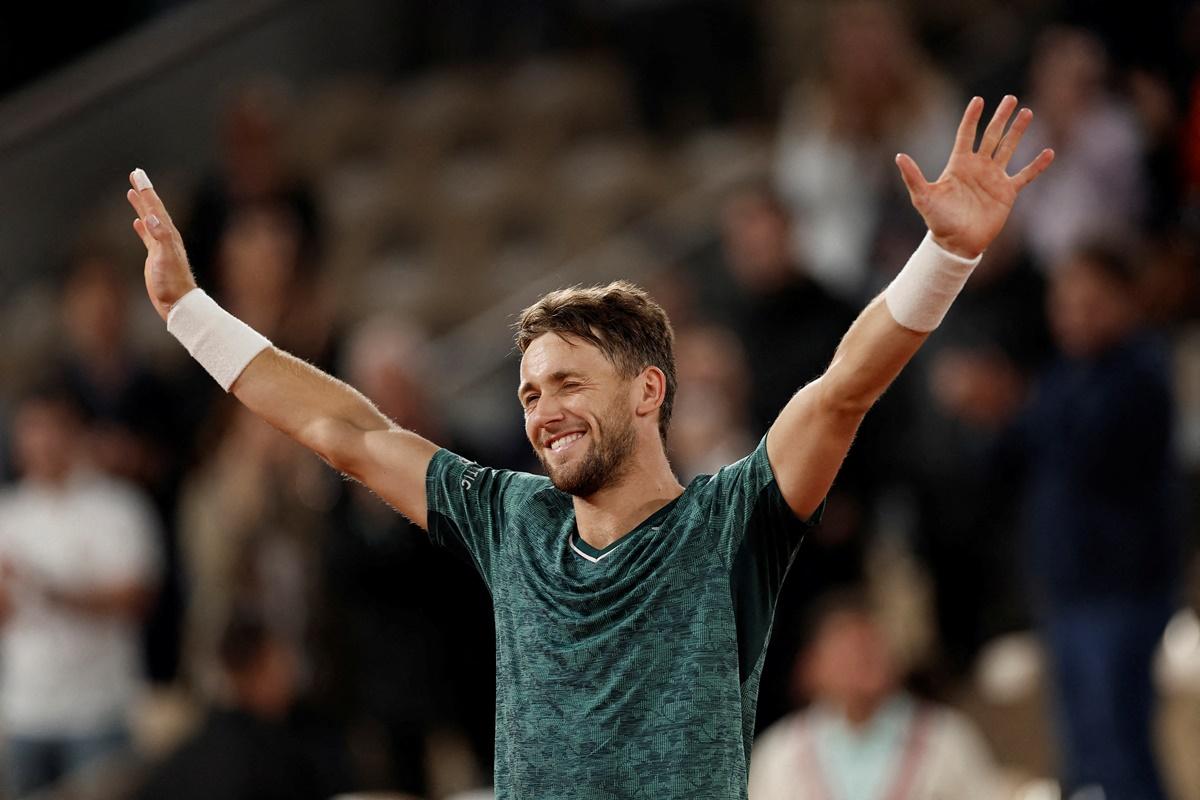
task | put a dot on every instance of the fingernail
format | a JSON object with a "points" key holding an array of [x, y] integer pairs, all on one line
{"points": [[153, 221], [141, 180]]}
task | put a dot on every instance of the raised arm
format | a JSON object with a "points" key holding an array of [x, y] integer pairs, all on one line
{"points": [[964, 211], [320, 412]]}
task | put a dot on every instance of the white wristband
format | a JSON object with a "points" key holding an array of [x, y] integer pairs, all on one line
{"points": [[921, 294], [219, 341]]}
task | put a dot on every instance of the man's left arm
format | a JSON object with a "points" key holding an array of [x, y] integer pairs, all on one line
{"points": [[964, 210]]}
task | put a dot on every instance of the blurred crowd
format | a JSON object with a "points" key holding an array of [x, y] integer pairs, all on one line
{"points": [[1031, 473]]}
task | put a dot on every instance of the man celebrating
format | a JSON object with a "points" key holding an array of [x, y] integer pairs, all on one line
{"points": [[632, 613]]}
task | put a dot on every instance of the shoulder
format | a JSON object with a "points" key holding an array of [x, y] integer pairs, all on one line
{"points": [[952, 730], [469, 473], [111, 498], [752, 471], [100, 488], [781, 733], [9, 497], [455, 481]]}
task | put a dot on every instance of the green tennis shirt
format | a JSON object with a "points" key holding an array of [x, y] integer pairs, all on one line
{"points": [[632, 671]]}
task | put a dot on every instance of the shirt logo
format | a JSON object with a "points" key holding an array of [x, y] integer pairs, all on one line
{"points": [[472, 473]]}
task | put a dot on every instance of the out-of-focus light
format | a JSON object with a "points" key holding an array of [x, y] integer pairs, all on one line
{"points": [[1043, 789], [1010, 668], [1178, 663], [1182, 637]]}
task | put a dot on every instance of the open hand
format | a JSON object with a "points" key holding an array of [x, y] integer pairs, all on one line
{"points": [[168, 276], [967, 206]]}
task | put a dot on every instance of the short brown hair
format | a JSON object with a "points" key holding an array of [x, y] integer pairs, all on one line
{"points": [[628, 327]]}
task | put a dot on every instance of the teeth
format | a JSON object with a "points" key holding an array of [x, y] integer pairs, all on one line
{"points": [[559, 444]]}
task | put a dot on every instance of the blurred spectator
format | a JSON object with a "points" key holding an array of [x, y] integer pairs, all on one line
{"points": [[863, 736], [1098, 185], [974, 370], [267, 272], [137, 422], [251, 749], [128, 405], [710, 426], [776, 302], [1103, 520], [79, 560], [875, 96], [1094, 447], [413, 661], [253, 170], [251, 520]]}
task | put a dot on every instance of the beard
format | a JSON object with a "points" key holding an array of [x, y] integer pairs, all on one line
{"points": [[601, 466]]}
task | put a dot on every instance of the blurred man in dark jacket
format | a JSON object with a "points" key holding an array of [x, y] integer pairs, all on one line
{"points": [[1101, 515]]}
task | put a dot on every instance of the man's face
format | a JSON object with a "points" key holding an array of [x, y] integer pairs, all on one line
{"points": [[850, 663], [45, 437], [1088, 312], [578, 413], [757, 241]]}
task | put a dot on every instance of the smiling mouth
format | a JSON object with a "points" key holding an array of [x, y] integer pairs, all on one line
{"points": [[563, 442]]}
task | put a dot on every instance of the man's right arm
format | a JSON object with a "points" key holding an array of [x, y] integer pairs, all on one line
{"points": [[334, 420], [318, 411]]}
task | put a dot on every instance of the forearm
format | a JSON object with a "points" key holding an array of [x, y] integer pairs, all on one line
{"points": [[894, 326], [130, 601], [812, 435], [320, 412], [872, 353], [317, 410]]}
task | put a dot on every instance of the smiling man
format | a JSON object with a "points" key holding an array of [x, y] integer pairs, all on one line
{"points": [[632, 613]]}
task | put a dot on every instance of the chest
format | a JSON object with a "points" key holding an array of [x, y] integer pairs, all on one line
{"points": [[59, 538], [658, 587]]}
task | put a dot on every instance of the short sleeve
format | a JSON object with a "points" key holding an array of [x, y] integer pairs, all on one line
{"points": [[758, 536], [468, 506], [747, 508]]}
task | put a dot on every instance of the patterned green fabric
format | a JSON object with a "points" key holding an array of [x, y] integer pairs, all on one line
{"points": [[628, 672]]}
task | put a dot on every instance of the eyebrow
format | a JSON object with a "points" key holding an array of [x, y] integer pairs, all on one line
{"points": [[557, 377]]}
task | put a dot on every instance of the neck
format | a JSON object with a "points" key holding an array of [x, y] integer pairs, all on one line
{"points": [[647, 485]]}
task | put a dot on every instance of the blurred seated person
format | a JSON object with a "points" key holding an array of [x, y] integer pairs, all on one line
{"points": [[78, 568], [862, 736], [248, 749]]}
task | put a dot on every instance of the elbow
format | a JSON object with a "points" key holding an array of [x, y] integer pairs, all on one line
{"points": [[331, 439], [842, 397]]}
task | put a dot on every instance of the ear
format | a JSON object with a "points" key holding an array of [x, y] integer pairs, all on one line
{"points": [[651, 390]]}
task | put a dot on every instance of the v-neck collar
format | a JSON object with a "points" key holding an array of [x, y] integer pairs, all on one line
{"points": [[595, 554]]}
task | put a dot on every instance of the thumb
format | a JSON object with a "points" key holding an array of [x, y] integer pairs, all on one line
{"points": [[914, 181]]}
